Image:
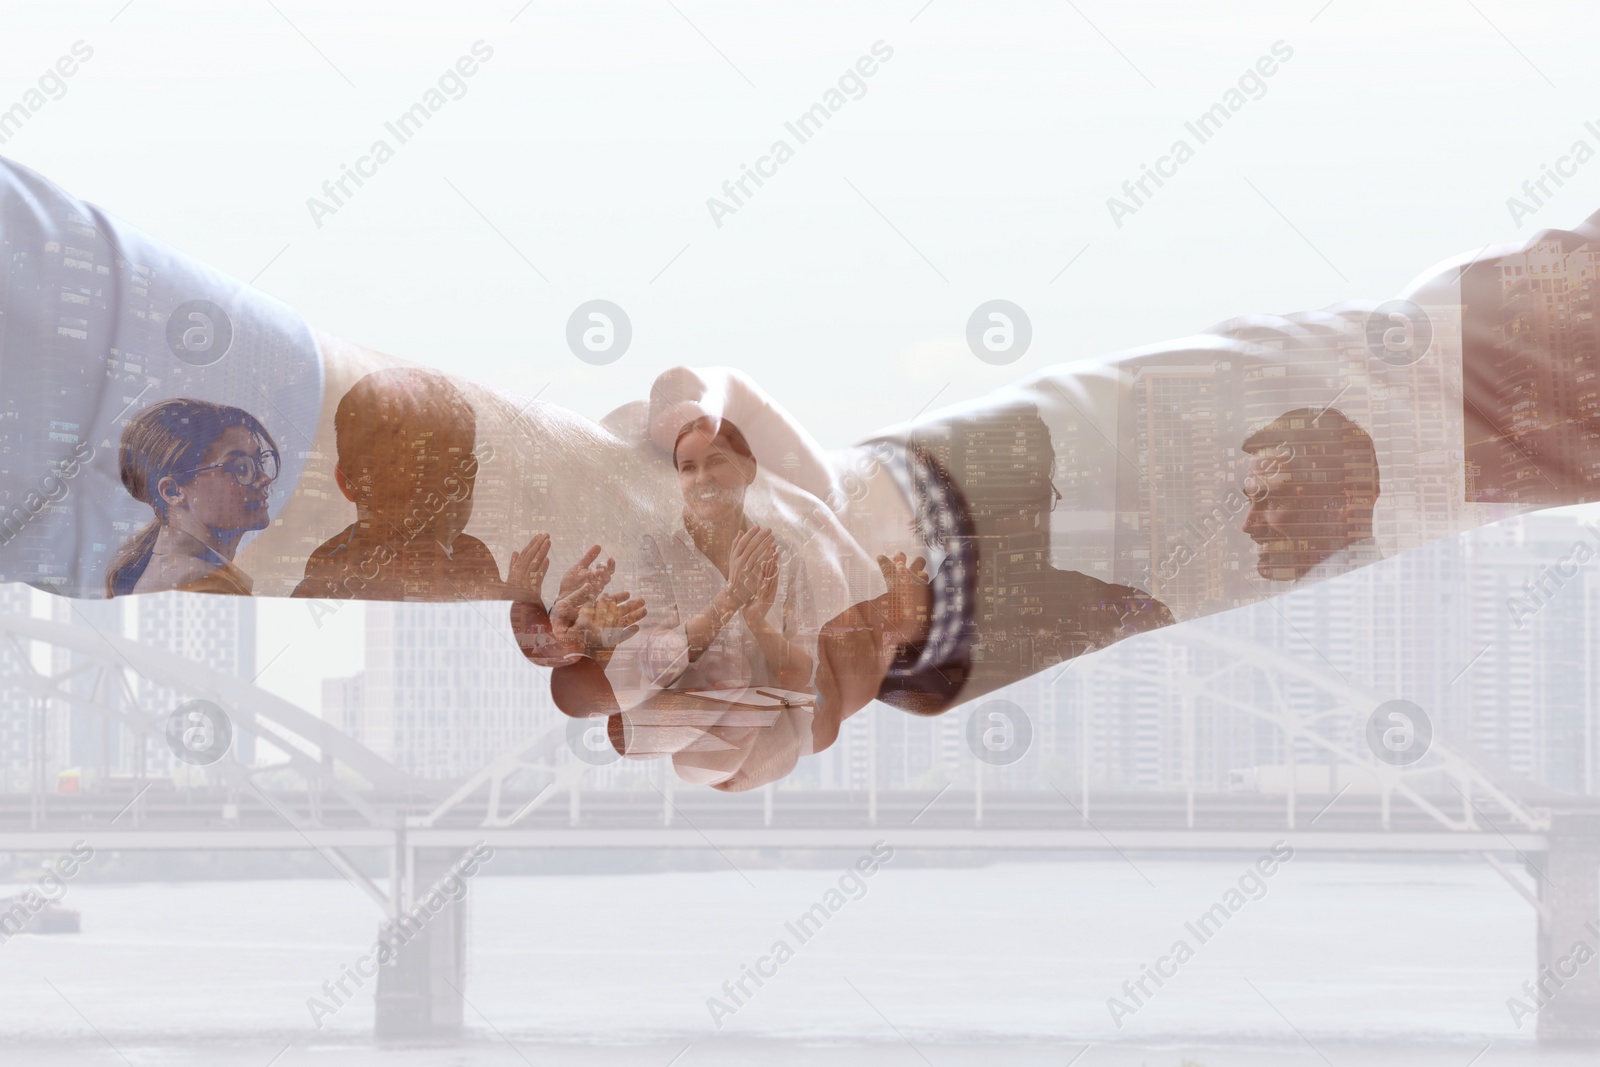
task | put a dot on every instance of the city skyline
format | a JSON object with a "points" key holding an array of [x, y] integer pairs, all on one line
{"points": [[1485, 631]]}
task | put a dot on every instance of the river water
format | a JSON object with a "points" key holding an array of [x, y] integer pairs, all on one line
{"points": [[1327, 962]]}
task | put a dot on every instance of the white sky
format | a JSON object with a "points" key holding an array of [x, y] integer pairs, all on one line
{"points": [[990, 141]]}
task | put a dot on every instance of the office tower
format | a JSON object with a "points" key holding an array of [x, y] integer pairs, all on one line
{"points": [[446, 689], [16, 711], [92, 740], [1531, 406], [344, 707], [215, 632], [1186, 457]]}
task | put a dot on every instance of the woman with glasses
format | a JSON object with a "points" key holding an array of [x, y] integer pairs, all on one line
{"points": [[204, 469]]}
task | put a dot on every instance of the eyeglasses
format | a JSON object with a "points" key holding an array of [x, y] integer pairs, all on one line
{"points": [[246, 469]]}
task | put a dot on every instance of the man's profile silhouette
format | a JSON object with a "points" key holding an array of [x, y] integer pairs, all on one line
{"points": [[1312, 485]]}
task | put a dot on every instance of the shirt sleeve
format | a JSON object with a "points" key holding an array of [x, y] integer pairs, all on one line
{"points": [[97, 322]]}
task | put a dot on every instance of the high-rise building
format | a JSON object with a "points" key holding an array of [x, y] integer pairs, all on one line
{"points": [[16, 709], [217, 632], [446, 689], [344, 705], [90, 740]]}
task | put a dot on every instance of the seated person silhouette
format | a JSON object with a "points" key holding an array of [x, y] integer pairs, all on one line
{"points": [[1312, 485], [205, 470], [405, 440], [1027, 614]]}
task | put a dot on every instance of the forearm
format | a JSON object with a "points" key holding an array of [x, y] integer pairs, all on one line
{"points": [[787, 659], [1448, 412], [1145, 449], [121, 322], [703, 627], [539, 467]]}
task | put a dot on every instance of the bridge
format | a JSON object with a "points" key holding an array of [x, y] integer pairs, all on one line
{"points": [[344, 798]]}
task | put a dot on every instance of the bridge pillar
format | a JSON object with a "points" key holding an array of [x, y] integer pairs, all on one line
{"points": [[1569, 894], [420, 991]]}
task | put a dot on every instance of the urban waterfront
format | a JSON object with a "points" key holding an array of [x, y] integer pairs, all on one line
{"points": [[1370, 962]]}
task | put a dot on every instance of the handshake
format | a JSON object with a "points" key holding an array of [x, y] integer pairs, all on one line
{"points": [[745, 567]]}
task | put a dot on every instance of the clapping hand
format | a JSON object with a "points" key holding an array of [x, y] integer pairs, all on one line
{"points": [[766, 593], [609, 620], [582, 621], [754, 550], [525, 576]]}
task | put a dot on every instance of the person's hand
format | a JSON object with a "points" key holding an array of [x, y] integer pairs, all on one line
{"points": [[903, 611], [580, 586], [582, 582], [766, 595], [525, 576], [608, 621], [753, 550]]}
